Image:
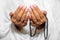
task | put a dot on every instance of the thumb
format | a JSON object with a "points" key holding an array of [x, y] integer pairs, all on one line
{"points": [[11, 14], [44, 12]]}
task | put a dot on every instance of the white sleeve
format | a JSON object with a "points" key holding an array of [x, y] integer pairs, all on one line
{"points": [[55, 30], [56, 14], [4, 21], [57, 17], [53, 14]]}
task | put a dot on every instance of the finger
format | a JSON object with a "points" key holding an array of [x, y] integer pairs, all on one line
{"points": [[13, 19], [24, 16], [20, 19], [11, 14], [35, 13], [19, 16], [44, 12], [43, 20], [43, 16], [37, 8], [18, 9], [26, 19], [24, 22], [32, 17], [32, 23], [40, 12], [29, 16]]}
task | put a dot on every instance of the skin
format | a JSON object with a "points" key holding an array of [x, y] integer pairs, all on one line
{"points": [[36, 16], [19, 17]]}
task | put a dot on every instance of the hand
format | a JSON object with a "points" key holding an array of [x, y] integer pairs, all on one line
{"points": [[36, 16], [19, 17]]}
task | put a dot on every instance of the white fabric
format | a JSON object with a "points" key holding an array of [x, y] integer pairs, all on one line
{"points": [[8, 30]]}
